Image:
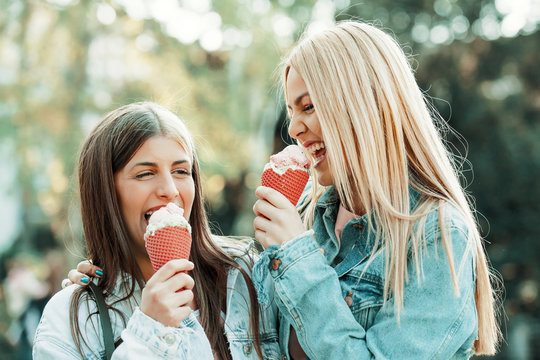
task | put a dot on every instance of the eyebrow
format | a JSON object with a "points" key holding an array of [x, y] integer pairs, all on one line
{"points": [[148, 163], [298, 99]]}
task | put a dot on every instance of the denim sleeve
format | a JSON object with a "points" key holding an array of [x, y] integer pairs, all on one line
{"points": [[145, 338], [434, 322]]}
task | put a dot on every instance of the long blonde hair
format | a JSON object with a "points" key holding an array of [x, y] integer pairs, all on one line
{"points": [[382, 138]]}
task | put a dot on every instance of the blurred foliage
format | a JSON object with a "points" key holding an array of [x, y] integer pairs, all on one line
{"points": [[65, 63]]}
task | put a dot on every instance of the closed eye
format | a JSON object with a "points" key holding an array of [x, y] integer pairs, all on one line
{"points": [[181, 172], [143, 175], [308, 107]]}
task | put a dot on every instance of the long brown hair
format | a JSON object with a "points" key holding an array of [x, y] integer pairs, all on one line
{"points": [[107, 150]]}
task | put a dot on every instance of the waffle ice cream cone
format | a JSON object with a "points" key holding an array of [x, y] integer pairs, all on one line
{"points": [[168, 236], [287, 172]]}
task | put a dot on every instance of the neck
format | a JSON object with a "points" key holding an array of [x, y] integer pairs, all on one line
{"points": [[358, 209]]}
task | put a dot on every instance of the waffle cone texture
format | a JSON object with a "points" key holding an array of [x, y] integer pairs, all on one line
{"points": [[291, 183], [168, 243]]}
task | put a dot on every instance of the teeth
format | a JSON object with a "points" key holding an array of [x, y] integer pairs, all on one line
{"points": [[313, 148], [149, 213]]}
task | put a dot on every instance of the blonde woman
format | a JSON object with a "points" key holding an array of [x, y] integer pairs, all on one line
{"points": [[392, 265]]}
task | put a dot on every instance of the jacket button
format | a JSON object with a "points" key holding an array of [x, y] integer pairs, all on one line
{"points": [[275, 263], [348, 299], [169, 339], [247, 349]]}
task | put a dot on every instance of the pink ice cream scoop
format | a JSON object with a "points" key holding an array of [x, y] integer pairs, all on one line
{"points": [[291, 156], [168, 236], [287, 172]]}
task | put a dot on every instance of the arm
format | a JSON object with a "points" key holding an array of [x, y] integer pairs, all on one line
{"points": [[434, 322], [162, 328], [145, 338], [53, 339]]}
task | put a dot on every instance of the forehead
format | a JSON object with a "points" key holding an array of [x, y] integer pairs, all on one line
{"points": [[161, 147], [295, 83]]}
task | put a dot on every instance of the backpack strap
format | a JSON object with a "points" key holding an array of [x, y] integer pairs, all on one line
{"points": [[106, 327]]}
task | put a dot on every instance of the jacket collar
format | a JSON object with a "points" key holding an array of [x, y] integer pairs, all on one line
{"points": [[329, 197]]}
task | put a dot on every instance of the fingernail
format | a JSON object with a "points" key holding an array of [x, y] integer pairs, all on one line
{"points": [[99, 273], [85, 280]]}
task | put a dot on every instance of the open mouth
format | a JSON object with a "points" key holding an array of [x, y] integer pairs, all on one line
{"points": [[149, 213], [318, 152]]}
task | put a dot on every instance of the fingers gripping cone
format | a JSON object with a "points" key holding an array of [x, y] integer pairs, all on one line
{"points": [[287, 172], [168, 236]]}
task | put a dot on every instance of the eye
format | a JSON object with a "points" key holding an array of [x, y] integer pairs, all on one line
{"points": [[144, 175], [181, 171], [308, 107]]}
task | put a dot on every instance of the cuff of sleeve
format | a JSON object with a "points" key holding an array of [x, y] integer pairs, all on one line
{"points": [[166, 341], [261, 277], [271, 258], [298, 245]]}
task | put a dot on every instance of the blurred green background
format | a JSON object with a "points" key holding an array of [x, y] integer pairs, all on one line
{"points": [[65, 63]]}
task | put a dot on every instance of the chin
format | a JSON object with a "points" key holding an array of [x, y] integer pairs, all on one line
{"points": [[325, 179]]}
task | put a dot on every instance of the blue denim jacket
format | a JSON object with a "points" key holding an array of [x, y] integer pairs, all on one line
{"points": [[337, 307], [145, 338]]}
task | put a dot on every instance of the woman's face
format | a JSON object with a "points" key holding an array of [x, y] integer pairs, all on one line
{"points": [[305, 126], [158, 173]]}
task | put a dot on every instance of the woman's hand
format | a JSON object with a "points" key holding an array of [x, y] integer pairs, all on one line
{"points": [[168, 296], [82, 274], [277, 219]]}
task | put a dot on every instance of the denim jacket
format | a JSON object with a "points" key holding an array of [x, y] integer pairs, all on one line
{"points": [[145, 338], [337, 306]]}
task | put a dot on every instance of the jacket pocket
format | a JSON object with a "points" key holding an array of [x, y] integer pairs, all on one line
{"points": [[243, 347], [363, 293]]}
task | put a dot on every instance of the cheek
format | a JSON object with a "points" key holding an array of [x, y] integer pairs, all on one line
{"points": [[314, 125], [188, 196], [123, 200], [317, 126]]}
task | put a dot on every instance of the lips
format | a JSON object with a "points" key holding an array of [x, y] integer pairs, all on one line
{"points": [[317, 150]]}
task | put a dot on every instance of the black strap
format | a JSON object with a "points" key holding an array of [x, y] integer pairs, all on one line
{"points": [[106, 327]]}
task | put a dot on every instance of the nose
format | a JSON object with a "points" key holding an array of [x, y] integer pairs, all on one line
{"points": [[296, 127], [167, 188]]}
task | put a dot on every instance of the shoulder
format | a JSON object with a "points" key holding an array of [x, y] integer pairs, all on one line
{"points": [[433, 216], [54, 331], [57, 310], [448, 223], [242, 249]]}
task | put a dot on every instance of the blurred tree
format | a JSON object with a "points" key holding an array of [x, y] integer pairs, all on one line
{"points": [[493, 90]]}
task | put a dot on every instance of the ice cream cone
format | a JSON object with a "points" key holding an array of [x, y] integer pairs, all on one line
{"points": [[287, 172], [168, 235], [168, 243], [290, 184]]}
